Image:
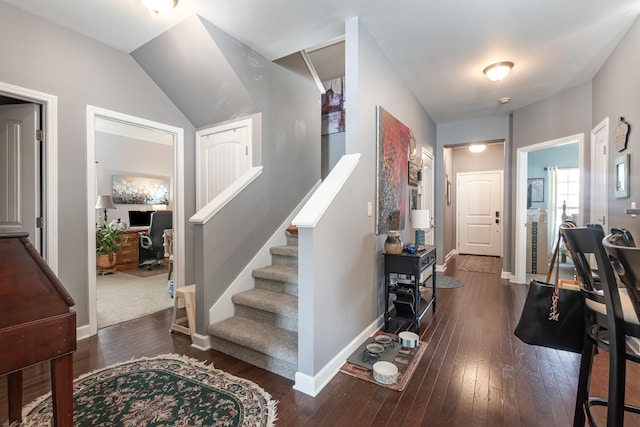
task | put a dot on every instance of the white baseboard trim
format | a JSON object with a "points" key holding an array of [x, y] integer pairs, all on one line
{"points": [[313, 385], [441, 268], [83, 332], [201, 342], [506, 275]]}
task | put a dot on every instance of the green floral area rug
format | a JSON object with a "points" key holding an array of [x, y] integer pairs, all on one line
{"points": [[168, 390]]}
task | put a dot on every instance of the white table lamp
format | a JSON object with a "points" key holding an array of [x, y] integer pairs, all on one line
{"points": [[105, 202], [420, 220]]}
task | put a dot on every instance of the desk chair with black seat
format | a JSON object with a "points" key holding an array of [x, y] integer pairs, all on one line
{"points": [[610, 320], [153, 239]]}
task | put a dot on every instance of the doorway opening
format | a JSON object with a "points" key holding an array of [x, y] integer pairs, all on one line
{"points": [[550, 190], [129, 136], [48, 171]]}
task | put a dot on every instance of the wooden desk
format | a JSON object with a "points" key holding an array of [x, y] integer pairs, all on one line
{"points": [[128, 256], [36, 325]]}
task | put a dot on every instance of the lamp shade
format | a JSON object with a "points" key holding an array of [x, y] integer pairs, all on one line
{"points": [[105, 202], [421, 218]]}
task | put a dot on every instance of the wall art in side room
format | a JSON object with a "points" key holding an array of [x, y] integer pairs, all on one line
{"points": [[333, 107], [139, 190], [392, 171]]}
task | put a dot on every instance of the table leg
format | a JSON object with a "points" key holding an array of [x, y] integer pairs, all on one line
{"points": [[14, 383], [62, 390], [433, 285]]}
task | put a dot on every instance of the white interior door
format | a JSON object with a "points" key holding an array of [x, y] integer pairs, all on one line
{"points": [[479, 202], [599, 171], [224, 154], [20, 201], [426, 199]]}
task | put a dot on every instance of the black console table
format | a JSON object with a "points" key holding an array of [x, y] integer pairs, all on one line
{"points": [[409, 305]]}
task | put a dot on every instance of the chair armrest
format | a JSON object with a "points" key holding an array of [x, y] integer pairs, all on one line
{"points": [[145, 240]]}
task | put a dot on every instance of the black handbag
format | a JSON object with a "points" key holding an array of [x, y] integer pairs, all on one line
{"points": [[552, 316]]}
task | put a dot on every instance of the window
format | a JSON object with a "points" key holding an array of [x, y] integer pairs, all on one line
{"points": [[567, 193]]}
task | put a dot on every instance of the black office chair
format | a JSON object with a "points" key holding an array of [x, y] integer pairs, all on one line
{"points": [[609, 319], [153, 239]]}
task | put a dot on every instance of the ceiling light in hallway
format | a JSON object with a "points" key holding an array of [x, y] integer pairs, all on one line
{"points": [[160, 6], [504, 100], [477, 148], [498, 71]]}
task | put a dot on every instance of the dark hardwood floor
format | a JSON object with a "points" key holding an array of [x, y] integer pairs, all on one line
{"points": [[475, 372]]}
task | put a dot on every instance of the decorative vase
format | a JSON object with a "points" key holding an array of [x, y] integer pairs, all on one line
{"points": [[393, 244]]}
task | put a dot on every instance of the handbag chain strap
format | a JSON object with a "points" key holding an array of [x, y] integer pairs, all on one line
{"points": [[555, 259]]}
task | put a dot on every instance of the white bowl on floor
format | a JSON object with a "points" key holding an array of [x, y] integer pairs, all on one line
{"points": [[408, 339], [385, 372]]}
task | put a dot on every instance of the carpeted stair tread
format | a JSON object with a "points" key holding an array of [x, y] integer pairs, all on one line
{"points": [[280, 273], [273, 302], [275, 342]]}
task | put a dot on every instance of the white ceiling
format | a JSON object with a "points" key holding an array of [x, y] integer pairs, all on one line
{"points": [[439, 46]]}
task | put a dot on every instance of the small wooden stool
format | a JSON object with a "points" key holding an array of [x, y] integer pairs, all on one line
{"points": [[188, 294]]}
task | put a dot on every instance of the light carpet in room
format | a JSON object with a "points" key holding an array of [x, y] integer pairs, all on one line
{"points": [[478, 264], [167, 390], [123, 296]]}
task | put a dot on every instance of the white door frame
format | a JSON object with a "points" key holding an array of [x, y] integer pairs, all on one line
{"points": [[522, 157], [50, 186], [602, 126], [424, 204], [178, 198]]}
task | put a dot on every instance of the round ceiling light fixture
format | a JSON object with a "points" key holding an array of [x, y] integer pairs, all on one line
{"points": [[477, 148], [160, 6], [504, 100], [498, 71]]}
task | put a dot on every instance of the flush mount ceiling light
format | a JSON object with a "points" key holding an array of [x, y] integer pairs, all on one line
{"points": [[160, 6], [504, 100], [477, 148], [498, 71]]}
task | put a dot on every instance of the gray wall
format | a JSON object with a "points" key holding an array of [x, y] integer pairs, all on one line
{"points": [[44, 57], [290, 152], [346, 270], [564, 114], [616, 90]]}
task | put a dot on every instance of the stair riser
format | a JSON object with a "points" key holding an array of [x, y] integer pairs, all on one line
{"points": [[292, 240], [276, 286], [273, 319], [289, 261], [261, 360]]}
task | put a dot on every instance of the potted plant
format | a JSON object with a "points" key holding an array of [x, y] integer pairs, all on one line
{"points": [[107, 244]]}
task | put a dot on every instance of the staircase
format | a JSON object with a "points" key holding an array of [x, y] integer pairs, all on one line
{"points": [[264, 329]]}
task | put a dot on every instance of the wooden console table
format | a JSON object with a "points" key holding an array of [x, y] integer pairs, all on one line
{"points": [[414, 265]]}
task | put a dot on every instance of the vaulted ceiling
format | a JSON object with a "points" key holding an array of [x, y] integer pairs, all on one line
{"points": [[440, 47]]}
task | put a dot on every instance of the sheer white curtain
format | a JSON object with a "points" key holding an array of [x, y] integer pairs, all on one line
{"points": [[552, 207]]}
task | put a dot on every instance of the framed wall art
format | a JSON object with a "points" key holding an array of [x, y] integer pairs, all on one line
{"points": [[392, 172], [622, 176], [333, 107], [535, 187], [414, 171], [139, 190]]}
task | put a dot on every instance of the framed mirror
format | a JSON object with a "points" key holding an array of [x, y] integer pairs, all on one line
{"points": [[622, 176]]}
